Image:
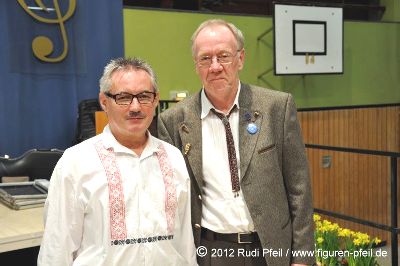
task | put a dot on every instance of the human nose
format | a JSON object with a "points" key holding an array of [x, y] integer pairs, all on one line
{"points": [[215, 64], [135, 105]]}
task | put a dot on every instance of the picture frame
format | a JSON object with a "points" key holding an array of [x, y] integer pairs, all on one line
{"points": [[22, 195]]}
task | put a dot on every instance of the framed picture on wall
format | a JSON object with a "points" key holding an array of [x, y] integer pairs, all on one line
{"points": [[308, 39]]}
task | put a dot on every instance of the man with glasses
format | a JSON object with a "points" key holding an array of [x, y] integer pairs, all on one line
{"points": [[251, 193], [123, 196]]}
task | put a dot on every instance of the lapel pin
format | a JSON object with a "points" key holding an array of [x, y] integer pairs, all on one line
{"points": [[247, 116], [184, 128], [187, 148], [252, 128]]}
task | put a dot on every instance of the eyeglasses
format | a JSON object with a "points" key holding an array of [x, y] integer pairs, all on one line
{"points": [[125, 98], [224, 58]]}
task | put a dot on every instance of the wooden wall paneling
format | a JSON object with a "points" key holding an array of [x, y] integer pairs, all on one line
{"points": [[350, 128], [343, 133], [327, 172], [376, 125], [324, 181], [396, 144], [327, 124], [357, 126], [353, 161], [398, 202], [368, 179], [337, 127], [356, 165], [362, 178], [373, 189], [347, 183], [356, 185], [385, 166], [337, 132], [344, 185], [383, 118], [304, 123], [359, 189], [319, 129], [384, 179], [397, 129], [379, 121], [369, 132], [314, 180], [332, 178], [348, 164], [393, 144], [313, 132], [318, 177], [363, 170], [394, 133], [390, 138], [381, 213]]}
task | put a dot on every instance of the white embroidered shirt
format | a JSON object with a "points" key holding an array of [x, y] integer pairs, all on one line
{"points": [[79, 225]]}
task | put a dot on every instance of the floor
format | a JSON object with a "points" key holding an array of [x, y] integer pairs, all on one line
{"points": [[386, 260]]}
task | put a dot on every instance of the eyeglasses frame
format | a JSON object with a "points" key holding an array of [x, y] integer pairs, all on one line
{"points": [[114, 96], [227, 63]]}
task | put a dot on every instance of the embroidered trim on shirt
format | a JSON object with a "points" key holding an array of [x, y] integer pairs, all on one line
{"points": [[116, 202], [140, 240], [170, 190]]}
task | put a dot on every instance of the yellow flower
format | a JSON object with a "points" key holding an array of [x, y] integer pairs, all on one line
{"points": [[323, 228], [363, 238], [318, 224], [316, 217], [344, 232], [357, 242], [377, 241], [332, 227], [326, 222], [320, 240]]}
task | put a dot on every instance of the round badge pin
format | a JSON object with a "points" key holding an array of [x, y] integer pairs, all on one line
{"points": [[252, 128], [247, 116]]}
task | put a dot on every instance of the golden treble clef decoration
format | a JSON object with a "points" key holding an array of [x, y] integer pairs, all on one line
{"points": [[42, 46]]}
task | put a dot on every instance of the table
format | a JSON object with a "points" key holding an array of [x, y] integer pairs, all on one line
{"points": [[20, 228]]}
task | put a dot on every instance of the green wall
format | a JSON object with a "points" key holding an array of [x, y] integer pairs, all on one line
{"points": [[392, 11], [371, 58]]}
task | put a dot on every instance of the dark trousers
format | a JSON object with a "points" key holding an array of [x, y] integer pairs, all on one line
{"points": [[221, 253]]}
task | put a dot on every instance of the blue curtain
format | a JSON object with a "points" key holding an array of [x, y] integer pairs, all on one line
{"points": [[39, 100]]}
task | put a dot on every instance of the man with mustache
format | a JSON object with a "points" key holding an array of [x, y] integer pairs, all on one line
{"points": [[123, 196], [251, 193]]}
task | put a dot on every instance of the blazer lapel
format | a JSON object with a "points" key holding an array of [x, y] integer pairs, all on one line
{"points": [[190, 133], [247, 141]]}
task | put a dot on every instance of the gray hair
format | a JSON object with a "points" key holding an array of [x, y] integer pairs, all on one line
{"points": [[125, 64], [216, 22]]}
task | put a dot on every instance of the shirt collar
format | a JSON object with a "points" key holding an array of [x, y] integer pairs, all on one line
{"points": [[206, 105], [109, 141]]}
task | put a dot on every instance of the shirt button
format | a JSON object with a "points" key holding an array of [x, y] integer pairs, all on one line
{"points": [[197, 226]]}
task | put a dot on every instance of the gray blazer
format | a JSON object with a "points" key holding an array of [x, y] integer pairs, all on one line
{"points": [[273, 167]]}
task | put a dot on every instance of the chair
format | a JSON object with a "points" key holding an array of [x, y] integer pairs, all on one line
{"points": [[85, 123], [35, 163]]}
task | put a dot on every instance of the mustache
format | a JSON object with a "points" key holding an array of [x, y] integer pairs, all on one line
{"points": [[136, 115]]}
